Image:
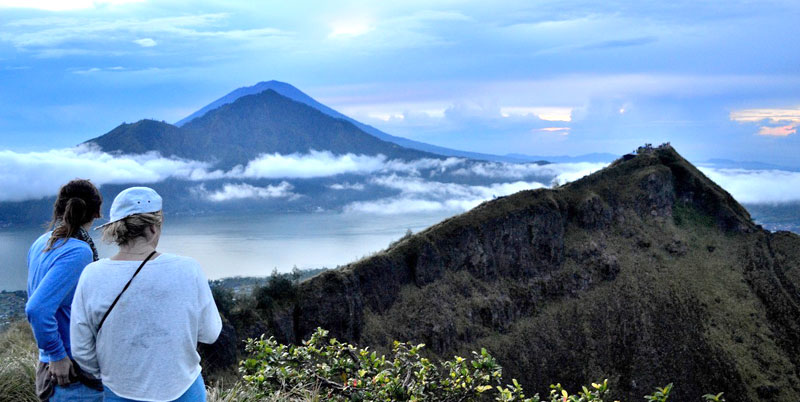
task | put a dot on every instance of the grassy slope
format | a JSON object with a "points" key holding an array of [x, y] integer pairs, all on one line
{"points": [[18, 358]]}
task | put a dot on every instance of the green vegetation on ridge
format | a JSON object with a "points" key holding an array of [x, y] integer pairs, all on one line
{"points": [[324, 369]]}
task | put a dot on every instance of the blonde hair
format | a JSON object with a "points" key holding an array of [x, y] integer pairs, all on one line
{"points": [[125, 230]]}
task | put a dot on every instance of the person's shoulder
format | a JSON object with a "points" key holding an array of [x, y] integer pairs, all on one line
{"points": [[79, 245], [95, 268], [44, 237], [40, 243], [180, 260], [66, 248], [42, 240], [78, 248], [186, 267]]}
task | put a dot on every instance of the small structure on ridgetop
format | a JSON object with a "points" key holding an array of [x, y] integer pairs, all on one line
{"points": [[644, 149], [647, 148]]}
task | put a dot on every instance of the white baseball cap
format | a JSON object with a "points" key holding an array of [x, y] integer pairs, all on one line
{"points": [[132, 201]]}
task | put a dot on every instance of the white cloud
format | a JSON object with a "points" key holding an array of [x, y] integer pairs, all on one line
{"points": [[325, 164], [773, 115], [50, 32], [413, 167], [779, 131], [562, 172], [420, 195], [543, 113], [394, 206], [562, 131], [757, 186], [145, 42], [420, 186], [39, 174], [62, 5], [347, 186], [313, 164], [240, 191]]}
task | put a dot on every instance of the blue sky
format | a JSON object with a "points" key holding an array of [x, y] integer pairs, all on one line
{"points": [[719, 79]]}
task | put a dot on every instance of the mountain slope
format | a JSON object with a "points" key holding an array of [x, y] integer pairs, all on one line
{"points": [[295, 94], [143, 136], [252, 125], [645, 273]]}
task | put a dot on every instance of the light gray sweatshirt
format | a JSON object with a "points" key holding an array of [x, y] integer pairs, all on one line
{"points": [[146, 349]]}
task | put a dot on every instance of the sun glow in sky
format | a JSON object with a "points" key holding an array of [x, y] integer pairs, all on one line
{"points": [[471, 75], [350, 29]]}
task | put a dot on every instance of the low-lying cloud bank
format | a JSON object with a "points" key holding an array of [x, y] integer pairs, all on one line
{"points": [[304, 166], [325, 164], [420, 195], [757, 186], [240, 191], [561, 172], [35, 175]]}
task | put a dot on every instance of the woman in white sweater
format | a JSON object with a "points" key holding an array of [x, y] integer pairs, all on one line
{"points": [[137, 316]]}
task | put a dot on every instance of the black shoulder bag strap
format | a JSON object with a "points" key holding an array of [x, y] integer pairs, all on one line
{"points": [[123, 290]]}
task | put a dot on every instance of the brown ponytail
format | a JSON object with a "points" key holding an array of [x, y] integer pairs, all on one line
{"points": [[78, 203]]}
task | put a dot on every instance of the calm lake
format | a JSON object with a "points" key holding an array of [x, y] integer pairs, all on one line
{"points": [[247, 245]]}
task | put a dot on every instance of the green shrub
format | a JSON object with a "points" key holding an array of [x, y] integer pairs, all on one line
{"points": [[334, 371]]}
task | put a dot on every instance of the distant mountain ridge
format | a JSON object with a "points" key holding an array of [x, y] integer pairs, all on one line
{"points": [[237, 132], [746, 165], [297, 95]]}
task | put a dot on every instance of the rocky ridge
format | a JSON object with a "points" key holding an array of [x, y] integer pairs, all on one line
{"points": [[645, 273]]}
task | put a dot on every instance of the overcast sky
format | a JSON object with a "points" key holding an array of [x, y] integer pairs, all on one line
{"points": [[719, 79]]}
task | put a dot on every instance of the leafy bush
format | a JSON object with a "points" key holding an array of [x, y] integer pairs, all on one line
{"points": [[331, 370], [281, 288]]}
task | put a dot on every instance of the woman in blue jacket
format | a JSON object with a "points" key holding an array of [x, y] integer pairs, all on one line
{"points": [[55, 262]]}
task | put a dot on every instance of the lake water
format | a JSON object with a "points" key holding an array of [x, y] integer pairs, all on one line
{"points": [[247, 245]]}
